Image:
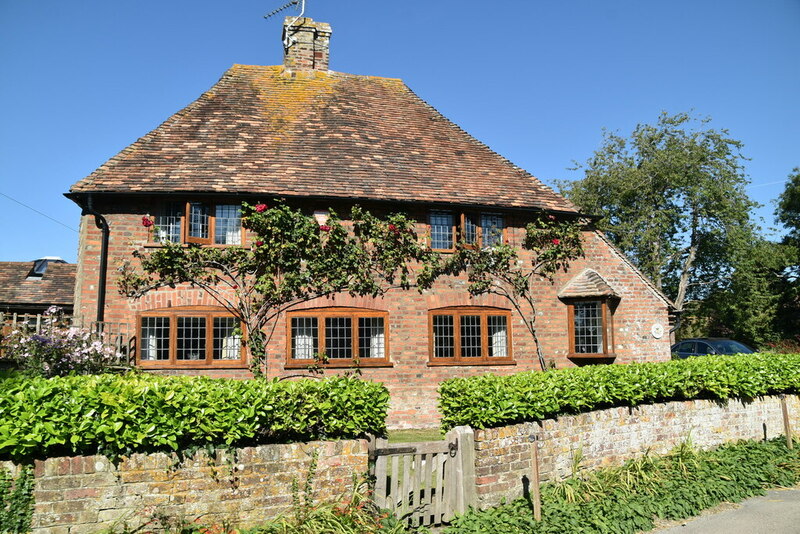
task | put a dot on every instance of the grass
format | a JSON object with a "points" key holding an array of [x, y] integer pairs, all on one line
{"points": [[415, 434]]}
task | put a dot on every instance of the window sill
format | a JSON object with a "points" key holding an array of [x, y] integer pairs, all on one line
{"points": [[150, 244], [346, 364], [609, 356], [193, 364], [442, 362]]}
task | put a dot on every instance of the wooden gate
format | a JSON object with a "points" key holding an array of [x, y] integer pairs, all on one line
{"points": [[426, 483]]}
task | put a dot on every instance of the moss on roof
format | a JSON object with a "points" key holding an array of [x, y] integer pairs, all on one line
{"points": [[264, 130]]}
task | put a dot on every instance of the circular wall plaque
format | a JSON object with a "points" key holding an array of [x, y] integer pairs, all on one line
{"points": [[657, 330]]}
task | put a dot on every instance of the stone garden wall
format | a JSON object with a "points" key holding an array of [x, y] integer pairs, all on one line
{"points": [[605, 437], [85, 494]]}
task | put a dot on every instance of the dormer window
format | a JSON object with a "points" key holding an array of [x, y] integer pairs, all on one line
{"points": [[206, 223], [590, 304], [473, 229]]}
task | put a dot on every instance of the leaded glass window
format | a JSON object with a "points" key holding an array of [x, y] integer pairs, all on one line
{"points": [[588, 327], [441, 230]]}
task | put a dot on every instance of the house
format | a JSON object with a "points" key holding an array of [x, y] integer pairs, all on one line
{"points": [[31, 287], [321, 139]]}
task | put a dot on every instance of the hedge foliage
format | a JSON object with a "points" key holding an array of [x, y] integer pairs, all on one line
{"points": [[115, 415], [489, 401]]}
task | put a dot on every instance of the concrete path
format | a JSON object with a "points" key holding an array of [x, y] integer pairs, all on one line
{"points": [[777, 512]]}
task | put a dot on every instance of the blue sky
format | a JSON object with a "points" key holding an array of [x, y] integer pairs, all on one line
{"points": [[535, 80]]}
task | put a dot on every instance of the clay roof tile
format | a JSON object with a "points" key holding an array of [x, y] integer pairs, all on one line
{"points": [[587, 284], [261, 130]]}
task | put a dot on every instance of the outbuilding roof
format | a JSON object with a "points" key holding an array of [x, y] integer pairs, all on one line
{"points": [[268, 131], [18, 289]]}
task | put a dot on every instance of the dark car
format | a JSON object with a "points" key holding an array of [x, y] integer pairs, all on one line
{"points": [[709, 345]]}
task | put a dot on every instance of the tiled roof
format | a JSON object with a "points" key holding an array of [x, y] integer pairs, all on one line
{"points": [[587, 284], [55, 287], [260, 130]]}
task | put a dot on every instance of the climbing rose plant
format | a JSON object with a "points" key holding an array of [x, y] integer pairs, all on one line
{"points": [[291, 259], [59, 349], [551, 245]]}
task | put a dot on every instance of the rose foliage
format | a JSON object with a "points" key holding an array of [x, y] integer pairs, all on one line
{"points": [[292, 259], [550, 245]]}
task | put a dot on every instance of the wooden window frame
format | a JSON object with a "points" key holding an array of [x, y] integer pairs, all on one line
{"points": [[459, 227], [453, 229], [185, 217], [338, 311], [207, 312], [484, 312], [607, 329]]}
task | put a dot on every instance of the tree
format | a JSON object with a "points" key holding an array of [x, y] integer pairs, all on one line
{"points": [[672, 198], [748, 307], [788, 213], [500, 270], [291, 260]]}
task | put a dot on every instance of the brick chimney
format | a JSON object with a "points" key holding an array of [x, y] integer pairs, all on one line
{"points": [[308, 44]]}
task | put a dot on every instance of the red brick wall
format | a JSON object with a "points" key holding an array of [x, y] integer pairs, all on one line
{"points": [[411, 381]]}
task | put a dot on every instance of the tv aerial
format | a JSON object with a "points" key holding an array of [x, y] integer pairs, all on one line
{"points": [[288, 40]]}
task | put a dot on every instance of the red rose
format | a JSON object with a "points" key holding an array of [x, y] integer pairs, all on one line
{"points": [[259, 243], [146, 222], [261, 208], [235, 286], [324, 227], [556, 241], [392, 228]]}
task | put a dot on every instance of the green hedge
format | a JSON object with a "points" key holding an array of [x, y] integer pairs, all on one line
{"points": [[117, 415], [489, 401]]}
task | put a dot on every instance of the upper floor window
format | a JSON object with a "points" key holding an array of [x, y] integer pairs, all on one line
{"points": [[337, 337], [470, 336], [200, 222], [476, 229], [591, 332], [190, 337]]}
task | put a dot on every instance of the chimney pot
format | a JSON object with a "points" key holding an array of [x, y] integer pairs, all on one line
{"points": [[308, 45]]}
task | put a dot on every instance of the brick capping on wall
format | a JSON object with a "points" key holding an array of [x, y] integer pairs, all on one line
{"points": [[611, 436], [84, 494]]}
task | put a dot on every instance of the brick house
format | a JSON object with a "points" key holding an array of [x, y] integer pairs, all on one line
{"points": [[321, 139]]}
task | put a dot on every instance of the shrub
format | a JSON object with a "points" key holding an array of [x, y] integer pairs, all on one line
{"points": [[115, 415], [59, 349], [16, 500], [626, 499], [487, 401], [785, 346]]}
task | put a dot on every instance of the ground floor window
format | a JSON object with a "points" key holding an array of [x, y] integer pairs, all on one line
{"points": [[470, 336], [591, 332], [189, 337], [337, 337]]}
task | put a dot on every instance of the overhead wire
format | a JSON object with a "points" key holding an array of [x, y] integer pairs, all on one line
{"points": [[39, 212]]}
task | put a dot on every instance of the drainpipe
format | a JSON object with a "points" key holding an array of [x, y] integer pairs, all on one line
{"points": [[678, 315], [102, 224]]}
